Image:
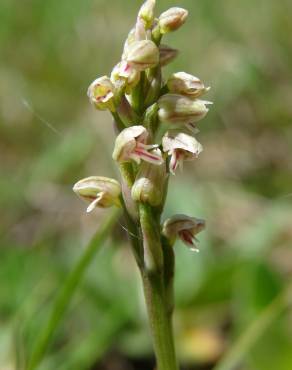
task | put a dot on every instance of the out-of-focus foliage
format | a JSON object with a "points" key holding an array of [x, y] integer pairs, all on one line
{"points": [[50, 137]]}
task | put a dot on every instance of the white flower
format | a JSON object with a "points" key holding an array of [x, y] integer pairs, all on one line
{"points": [[175, 108], [181, 147], [100, 191], [101, 93], [131, 144], [186, 84], [124, 73], [184, 227]]}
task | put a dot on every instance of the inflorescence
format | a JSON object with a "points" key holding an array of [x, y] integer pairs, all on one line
{"points": [[155, 120]]}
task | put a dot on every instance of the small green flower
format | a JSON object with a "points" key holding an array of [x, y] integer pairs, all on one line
{"points": [[100, 191], [175, 108], [131, 144], [185, 228], [181, 147], [172, 19], [186, 84], [124, 74], [142, 55], [146, 13], [101, 93]]}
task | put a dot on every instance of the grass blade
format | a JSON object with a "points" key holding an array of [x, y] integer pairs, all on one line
{"points": [[256, 329], [68, 289]]}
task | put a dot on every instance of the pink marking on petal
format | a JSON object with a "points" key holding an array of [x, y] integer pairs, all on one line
{"points": [[144, 154], [126, 68]]}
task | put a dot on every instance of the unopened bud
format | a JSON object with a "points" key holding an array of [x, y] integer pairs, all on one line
{"points": [[131, 144], [130, 39], [186, 84], [101, 93], [172, 19], [166, 54], [142, 55], [184, 227], [100, 191], [146, 12], [149, 184], [176, 108]]}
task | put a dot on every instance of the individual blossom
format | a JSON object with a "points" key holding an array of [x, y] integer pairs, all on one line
{"points": [[100, 191], [172, 19], [185, 228], [124, 74], [142, 54], [146, 13], [175, 108], [101, 93], [186, 84], [149, 184], [131, 144], [181, 147], [166, 54]]}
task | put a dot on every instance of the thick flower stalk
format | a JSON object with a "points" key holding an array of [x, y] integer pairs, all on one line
{"points": [[156, 123]]}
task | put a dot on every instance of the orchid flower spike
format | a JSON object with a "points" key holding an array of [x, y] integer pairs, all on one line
{"points": [[101, 93], [181, 147], [100, 191], [184, 227], [131, 144]]}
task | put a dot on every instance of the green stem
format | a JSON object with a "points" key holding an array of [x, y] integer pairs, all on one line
{"points": [[119, 123], [256, 329], [68, 289], [169, 266], [133, 234], [160, 321], [156, 287], [153, 255]]}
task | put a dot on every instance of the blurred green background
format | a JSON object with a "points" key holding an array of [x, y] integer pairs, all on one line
{"points": [[50, 137]]}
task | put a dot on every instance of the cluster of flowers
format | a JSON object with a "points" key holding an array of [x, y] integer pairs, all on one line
{"points": [[147, 109]]}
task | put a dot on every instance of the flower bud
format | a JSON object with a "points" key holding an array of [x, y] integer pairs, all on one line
{"points": [[166, 54], [100, 191], [172, 19], [184, 227], [186, 84], [140, 30], [131, 144], [176, 108], [181, 147], [149, 184], [130, 39], [101, 94], [142, 55], [146, 12]]}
